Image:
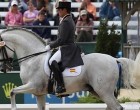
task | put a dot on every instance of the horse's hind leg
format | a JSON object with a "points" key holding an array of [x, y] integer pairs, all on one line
{"points": [[108, 99], [106, 94], [112, 103], [21, 89], [41, 102], [113, 109]]}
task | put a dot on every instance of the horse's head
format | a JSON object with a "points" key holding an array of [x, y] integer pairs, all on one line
{"points": [[5, 58], [22, 42]]}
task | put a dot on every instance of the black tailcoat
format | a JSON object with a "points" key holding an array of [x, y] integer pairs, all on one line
{"points": [[70, 52]]}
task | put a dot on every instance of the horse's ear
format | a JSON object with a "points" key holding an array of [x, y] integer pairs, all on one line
{"points": [[2, 43]]}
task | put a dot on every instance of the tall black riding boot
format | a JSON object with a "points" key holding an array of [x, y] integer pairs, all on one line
{"points": [[58, 77]]}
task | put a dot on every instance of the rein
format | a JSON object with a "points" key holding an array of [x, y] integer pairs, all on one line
{"points": [[28, 56]]}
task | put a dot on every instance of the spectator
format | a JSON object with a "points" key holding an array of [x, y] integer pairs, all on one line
{"points": [[84, 31], [14, 17], [22, 5], [90, 8], [34, 2], [43, 32], [40, 4], [30, 15], [56, 19], [110, 11], [46, 6], [84, 7], [77, 0]]}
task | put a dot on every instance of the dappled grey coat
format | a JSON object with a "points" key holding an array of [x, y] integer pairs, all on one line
{"points": [[70, 52]]}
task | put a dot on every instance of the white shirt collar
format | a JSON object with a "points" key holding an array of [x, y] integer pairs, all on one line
{"points": [[63, 18]]}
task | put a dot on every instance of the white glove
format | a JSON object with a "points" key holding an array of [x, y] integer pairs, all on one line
{"points": [[47, 48]]}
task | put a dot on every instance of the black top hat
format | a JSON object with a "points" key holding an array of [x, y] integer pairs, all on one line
{"points": [[66, 5]]}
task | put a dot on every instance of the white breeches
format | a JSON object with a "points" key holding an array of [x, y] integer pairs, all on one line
{"points": [[56, 57]]}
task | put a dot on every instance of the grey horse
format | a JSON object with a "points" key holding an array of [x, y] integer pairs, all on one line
{"points": [[99, 74]]}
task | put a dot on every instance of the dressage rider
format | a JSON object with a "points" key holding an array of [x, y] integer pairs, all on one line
{"points": [[68, 52]]}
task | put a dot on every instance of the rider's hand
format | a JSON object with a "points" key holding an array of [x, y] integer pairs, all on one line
{"points": [[47, 48]]}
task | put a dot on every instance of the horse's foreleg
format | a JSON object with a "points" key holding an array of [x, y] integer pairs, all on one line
{"points": [[13, 102], [41, 102], [21, 89]]}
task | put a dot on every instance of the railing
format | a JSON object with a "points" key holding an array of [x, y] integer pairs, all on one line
{"points": [[127, 106]]}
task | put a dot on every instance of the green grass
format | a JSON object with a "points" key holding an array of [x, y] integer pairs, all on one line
{"points": [[92, 99], [89, 99]]}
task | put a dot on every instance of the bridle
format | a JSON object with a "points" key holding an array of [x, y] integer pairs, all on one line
{"points": [[8, 62]]}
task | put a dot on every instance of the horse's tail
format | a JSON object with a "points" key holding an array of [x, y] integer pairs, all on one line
{"points": [[126, 68]]}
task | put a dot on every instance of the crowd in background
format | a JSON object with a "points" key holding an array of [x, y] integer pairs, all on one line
{"points": [[40, 12]]}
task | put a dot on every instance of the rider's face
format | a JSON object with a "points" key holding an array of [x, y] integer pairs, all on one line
{"points": [[61, 12]]}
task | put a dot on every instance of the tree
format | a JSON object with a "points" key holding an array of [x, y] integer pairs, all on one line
{"points": [[108, 40]]}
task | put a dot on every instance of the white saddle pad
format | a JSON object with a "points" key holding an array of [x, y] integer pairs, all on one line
{"points": [[75, 71]]}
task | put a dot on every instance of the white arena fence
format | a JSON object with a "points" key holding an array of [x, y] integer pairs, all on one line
{"points": [[127, 106]]}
